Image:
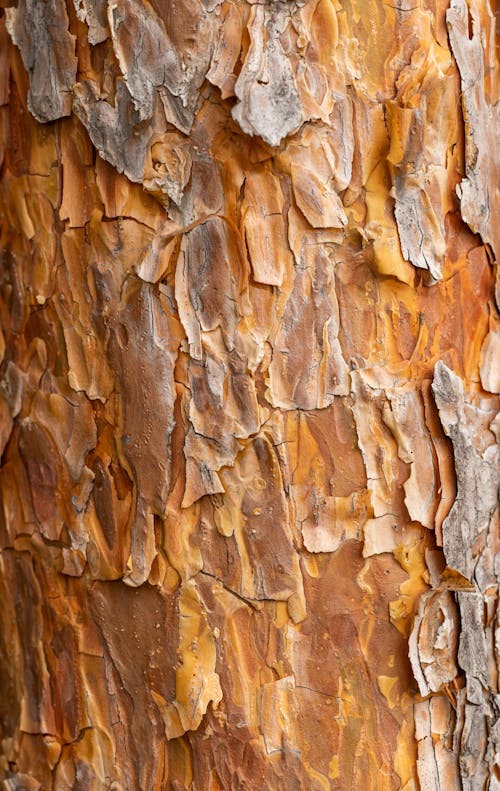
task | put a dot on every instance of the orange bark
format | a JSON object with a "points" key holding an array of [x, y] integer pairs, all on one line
{"points": [[249, 387]]}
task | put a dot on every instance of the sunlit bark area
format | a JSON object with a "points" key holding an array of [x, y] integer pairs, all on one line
{"points": [[250, 364]]}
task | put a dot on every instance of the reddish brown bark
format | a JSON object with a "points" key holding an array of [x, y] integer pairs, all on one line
{"points": [[249, 387]]}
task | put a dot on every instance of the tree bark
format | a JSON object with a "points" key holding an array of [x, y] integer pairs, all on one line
{"points": [[249, 352]]}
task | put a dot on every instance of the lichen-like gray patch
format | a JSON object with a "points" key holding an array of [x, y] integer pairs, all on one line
{"points": [[269, 102], [40, 30]]}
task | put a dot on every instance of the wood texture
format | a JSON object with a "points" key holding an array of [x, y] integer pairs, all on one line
{"points": [[249, 347]]}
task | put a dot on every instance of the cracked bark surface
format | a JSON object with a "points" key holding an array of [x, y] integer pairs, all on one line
{"points": [[249, 377]]}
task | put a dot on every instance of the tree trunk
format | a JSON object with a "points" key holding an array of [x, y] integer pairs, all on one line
{"points": [[250, 357]]}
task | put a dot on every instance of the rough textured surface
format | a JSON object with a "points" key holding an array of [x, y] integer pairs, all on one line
{"points": [[472, 38], [248, 396]]}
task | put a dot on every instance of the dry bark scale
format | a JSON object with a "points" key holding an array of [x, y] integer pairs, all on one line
{"points": [[250, 343]]}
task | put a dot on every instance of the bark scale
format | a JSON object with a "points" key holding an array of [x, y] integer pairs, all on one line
{"points": [[249, 395]]}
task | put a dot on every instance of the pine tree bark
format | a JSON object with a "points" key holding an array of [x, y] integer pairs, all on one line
{"points": [[249, 350]]}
